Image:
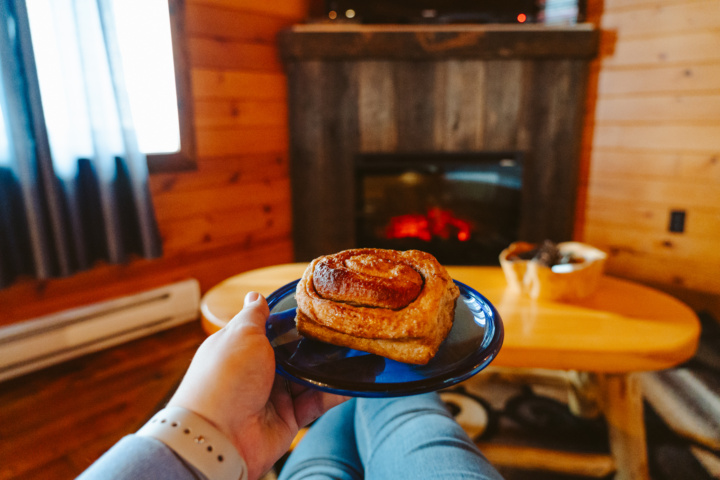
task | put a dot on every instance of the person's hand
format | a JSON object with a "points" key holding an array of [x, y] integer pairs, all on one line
{"points": [[232, 383]]}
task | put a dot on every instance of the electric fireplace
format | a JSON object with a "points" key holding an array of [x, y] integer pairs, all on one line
{"points": [[464, 208], [357, 91]]}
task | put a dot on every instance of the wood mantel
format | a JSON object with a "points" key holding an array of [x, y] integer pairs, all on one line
{"points": [[356, 89], [436, 42]]}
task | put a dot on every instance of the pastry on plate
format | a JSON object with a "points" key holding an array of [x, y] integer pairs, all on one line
{"points": [[396, 304]]}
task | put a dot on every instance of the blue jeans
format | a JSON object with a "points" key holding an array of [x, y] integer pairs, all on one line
{"points": [[391, 438]]}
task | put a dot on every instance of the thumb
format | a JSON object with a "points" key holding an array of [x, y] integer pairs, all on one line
{"points": [[254, 313]]}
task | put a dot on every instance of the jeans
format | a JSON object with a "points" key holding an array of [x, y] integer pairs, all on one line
{"points": [[387, 438]]}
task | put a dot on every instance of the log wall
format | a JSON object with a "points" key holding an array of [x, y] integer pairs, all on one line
{"points": [[654, 143]]}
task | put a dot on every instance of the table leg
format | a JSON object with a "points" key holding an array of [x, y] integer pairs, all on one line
{"points": [[583, 394], [622, 404]]}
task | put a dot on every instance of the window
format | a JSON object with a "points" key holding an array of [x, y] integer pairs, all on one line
{"points": [[151, 48], [73, 172]]}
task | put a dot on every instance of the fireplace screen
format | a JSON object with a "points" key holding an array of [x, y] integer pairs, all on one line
{"points": [[462, 208]]}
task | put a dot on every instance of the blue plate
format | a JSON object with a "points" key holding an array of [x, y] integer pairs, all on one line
{"points": [[473, 342]]}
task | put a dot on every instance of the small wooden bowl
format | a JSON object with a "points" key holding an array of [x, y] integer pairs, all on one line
{"points": [[567, 281]]}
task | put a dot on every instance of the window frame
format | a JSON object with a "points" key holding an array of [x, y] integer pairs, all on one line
{"points": [[186, 157]]}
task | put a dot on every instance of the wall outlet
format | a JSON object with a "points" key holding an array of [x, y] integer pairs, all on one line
{"points": [[677, 221]]}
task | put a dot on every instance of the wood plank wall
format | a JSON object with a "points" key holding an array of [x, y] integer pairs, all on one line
{"points": [[231, 214], [655, 143], [653, 146]]}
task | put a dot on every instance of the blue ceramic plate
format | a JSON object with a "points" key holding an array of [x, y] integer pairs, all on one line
{"points": [[473, 342]]}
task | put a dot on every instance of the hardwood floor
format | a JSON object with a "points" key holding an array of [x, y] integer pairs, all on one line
{"points": [[54, 423]]}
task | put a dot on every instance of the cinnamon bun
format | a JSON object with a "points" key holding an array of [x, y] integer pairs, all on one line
{"points": [[396, 304]]}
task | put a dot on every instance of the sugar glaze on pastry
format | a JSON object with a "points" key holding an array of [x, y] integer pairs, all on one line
{"points": [[396, 304]]}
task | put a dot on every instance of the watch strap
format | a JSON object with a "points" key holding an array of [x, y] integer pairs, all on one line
{"points": [[198, 442]]}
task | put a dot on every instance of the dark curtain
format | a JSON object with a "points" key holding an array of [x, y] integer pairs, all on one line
{"points": [[74, 184]]}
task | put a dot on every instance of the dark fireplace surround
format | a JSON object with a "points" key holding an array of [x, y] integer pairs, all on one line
{"points": [[386, 91]]}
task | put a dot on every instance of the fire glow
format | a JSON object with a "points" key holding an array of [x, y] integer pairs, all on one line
{"points": [[436, 223]]}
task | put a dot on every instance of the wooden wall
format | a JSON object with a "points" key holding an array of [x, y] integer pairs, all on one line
{"points": [[233, 213], [652, 145], [654, 142]]}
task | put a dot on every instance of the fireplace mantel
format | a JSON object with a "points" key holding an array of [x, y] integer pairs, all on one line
{"points": [[356, 89], [437, 42]]}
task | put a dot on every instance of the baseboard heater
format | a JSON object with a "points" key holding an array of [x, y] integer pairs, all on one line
{"points": [[51, 339]]}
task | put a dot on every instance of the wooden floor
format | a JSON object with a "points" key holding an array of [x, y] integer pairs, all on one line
{"points": [[56, 422]]}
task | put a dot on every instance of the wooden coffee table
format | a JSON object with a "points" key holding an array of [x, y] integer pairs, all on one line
{"points": [[604, 340]]}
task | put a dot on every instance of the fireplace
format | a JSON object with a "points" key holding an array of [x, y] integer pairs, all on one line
{"points": [[364, 100], [463, 208]]}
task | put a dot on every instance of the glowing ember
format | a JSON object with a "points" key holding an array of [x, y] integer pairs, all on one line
{"points": [[437, 223]]}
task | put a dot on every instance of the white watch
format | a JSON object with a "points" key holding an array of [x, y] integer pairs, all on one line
{"points": [[198, 442]]}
